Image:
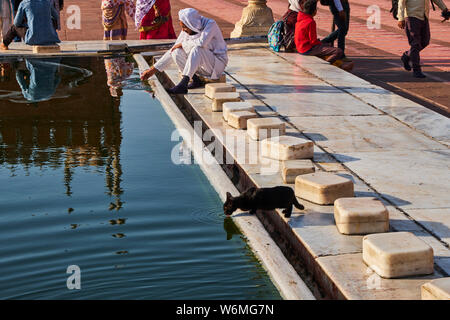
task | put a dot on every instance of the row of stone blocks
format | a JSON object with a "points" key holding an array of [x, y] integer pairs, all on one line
{"points": [[391, 255]]}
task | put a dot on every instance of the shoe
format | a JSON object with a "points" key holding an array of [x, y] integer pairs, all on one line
{"points": [[196, 82], [405, 59], [181, 88], [418, 74]]}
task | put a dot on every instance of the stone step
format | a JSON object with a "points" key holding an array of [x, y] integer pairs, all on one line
{"points": [[290, 169], [397, 254], [219, 98], [262, 128], [287, 148], [212, 88], [238, 119], [438, 289], [360, 216], [236, 106], [323, 187], [47, 49]]}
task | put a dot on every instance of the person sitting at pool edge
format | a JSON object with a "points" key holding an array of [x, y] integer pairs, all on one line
{"points": [[33, 22], [306, 35], [199, 50]]}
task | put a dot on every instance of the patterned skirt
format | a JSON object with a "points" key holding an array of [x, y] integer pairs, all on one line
{"points": [[115, 23]]}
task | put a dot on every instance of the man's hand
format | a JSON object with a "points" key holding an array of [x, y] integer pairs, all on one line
{"points": [[177, 46], [148, 73], [342, 15], [401, 24]]}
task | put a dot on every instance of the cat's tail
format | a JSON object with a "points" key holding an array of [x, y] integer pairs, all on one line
{"points": [[297, 204]]}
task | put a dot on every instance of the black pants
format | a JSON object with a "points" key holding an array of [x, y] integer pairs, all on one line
{"points": [[418, 32], [12, 33], [342, 26]]}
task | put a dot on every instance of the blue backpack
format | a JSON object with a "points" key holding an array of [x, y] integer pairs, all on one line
{"points": [[276, 35]]}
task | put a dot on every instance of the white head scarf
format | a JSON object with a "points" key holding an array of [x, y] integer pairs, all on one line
{"points": [[295, 6], [191, 19]]}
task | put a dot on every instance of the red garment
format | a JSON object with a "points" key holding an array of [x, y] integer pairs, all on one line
{"points": [[305, 33], [163, 31]]}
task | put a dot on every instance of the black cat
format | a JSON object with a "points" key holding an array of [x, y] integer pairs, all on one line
{"points": [[263, 198]]}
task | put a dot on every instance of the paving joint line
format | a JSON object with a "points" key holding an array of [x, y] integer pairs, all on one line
{"points": [[334, 158], [369, 104]]}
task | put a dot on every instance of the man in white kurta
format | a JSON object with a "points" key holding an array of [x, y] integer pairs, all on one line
{"points": [[200, 50]]}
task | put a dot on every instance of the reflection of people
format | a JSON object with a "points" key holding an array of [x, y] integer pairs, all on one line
{"points": [[117, 71], [5, 17], [34, 22], [43, 79], [114, 18], [200, 48], [5, 69], [154, 20]]}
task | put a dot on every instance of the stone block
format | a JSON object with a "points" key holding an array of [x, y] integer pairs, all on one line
{"points": [[236, 106], [262, 128], [438, 289], [47, 49], [238, 119], [287, 148], [361, 216], [212, 88], [292, 168], [219, 98], [397, 254], [323, 187]]}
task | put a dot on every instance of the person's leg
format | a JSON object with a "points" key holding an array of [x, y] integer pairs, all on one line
{"points": [[426, 35], [11, 34], [334, 34], [180, 57], [414, 33], [322, 51], [199, 61], [343, 26]]}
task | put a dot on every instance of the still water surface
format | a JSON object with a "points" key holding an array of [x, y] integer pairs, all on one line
{"points": [[86, 179]]}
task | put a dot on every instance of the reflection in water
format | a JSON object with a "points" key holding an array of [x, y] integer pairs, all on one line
{"points": [[230, 228], [39, 80], [47, 120], [117, 71]]}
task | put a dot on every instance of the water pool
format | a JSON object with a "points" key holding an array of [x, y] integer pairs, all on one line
{"points": [[86, 179]]}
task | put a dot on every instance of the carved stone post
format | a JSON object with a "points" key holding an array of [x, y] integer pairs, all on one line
{"points": [[256, 20]]}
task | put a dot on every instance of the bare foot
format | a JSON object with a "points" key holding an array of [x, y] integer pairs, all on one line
{"points": [[3, 47]]}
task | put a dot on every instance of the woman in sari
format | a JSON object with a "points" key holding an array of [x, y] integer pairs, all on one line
{"points": [[153, 19], [114, 18]]}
